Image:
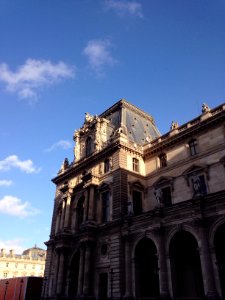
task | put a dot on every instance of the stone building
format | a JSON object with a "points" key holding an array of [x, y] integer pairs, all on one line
{"points": [[30, 263], [139, 215]]}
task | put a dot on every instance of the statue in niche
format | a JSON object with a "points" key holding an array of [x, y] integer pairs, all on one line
{"points": [[205, 108], [174, 125], [130, 208], [196, 184], [158, 196]]}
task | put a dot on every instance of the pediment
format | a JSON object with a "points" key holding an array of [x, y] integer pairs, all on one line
{"points": [[195, 168]]}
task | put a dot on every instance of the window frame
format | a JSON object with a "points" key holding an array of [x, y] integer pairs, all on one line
{"points": [[88, 146], [135, 165], [163, 160], [163, 191], [193, 147]]}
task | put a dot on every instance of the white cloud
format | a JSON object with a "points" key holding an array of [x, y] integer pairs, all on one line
{"points": [[33, 75], [125, 8], [13, 161], [14, 244], [13, 206], [98, 54], [4, 182], [63, 144]]}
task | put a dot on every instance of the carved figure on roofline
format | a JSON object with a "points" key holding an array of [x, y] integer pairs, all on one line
{"points": [[174, 125], [64, 165], [88, 117], [205, 108]]}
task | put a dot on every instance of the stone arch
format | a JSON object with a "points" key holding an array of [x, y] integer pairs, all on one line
{"points": [[146, 268], [220, 221], [185, 264], [139, 237], [219, 247], [178, 228], [73, 274]]}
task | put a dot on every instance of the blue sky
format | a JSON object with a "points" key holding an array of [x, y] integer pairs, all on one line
{"points": [[62, 58]]}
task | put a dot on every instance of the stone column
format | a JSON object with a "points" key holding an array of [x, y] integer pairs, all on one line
{"points": [[67, 212], [86, 288], [60, 273], [86, 205], [81, 273], [207, 267], [57, 222], [128, 269], [91, 203], [163, 272], [55, 278], [62, 215]]}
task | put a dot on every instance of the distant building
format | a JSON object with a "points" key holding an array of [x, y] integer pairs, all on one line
{"points": [[139, 215], [30, 263]]}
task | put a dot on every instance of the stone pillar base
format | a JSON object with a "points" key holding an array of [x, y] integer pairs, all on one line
{"points": [[164, 297], [212, 296]]}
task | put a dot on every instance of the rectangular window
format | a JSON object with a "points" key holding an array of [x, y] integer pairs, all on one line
{"points": [[105, 207], [166, 195], [106, 166], [135, 165], [193, 147], [137, 202]]}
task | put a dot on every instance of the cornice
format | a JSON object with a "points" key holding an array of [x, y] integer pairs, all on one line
{"points": [[188, 130], [82, 164]]}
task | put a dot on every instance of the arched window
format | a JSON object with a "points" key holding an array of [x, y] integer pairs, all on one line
{"points": [[135, 164], [193, 146], [163, 160], [88, 146]]}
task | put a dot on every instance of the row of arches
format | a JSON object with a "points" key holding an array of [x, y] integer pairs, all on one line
{"points": [[185, 277], [186, 272]]}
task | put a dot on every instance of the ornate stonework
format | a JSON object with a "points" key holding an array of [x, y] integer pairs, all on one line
{"points": [[139, 215]]}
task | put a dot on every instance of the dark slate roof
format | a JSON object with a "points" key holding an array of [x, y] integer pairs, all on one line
{"points": [[134, 122]]}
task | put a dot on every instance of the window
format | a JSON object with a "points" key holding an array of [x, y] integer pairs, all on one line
{"points": [[5, 274], [80, 211], [137, 202], [33, 267], [7, 264], [135, 164], [105, 206], [106, 165], [166, 196], [163, 160], [88, 146], [163, 191], [193, 146]]}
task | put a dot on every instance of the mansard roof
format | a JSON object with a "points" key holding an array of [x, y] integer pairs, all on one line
{"points": [[132, 121]]}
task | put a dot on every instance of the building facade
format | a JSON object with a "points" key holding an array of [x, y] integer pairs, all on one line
{"points": [[30, 263], [139, 215]]}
